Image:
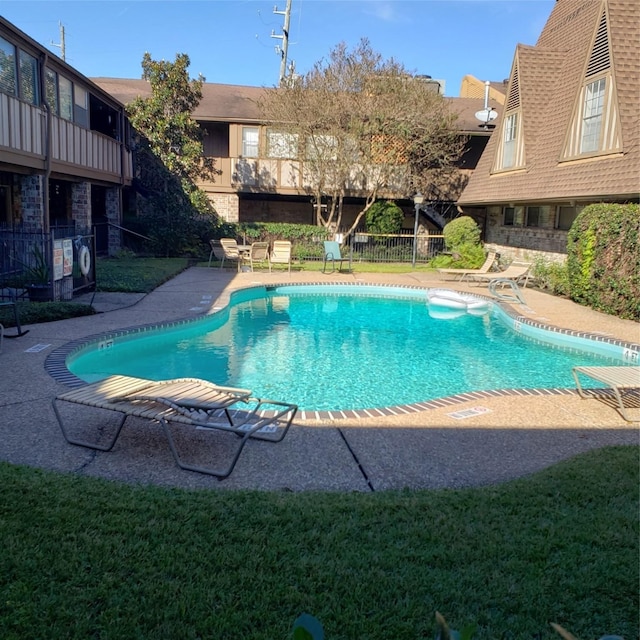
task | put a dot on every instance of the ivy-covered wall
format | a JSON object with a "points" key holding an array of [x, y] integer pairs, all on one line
{"points": [[603, 259]]}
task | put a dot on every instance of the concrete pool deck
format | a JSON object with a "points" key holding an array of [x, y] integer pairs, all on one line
{"points": [[472, 441]]}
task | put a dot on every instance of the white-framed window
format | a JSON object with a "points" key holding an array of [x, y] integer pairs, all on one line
{"points": [[7, 67], [592, 116], [508, 216], [510, 141], [250, 142], [281, 144]]}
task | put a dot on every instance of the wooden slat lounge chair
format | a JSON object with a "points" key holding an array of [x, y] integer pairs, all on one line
{"points": [[620, 379], [461, 274], [183, 401]]}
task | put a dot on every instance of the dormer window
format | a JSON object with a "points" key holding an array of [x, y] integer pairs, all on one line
{"points": [[592, 118], [510, 153], [594, 129], [510, 141]]}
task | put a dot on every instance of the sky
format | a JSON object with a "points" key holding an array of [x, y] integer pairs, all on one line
{"points": [[230, 41]]}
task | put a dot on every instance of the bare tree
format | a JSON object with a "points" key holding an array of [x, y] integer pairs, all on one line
{"points": [[362, 126]]}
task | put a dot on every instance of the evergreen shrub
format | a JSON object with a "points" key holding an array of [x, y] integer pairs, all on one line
{"points": [[462, 240], [384, 217], [603, 259]]}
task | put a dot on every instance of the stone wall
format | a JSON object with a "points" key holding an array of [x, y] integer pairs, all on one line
{"points": [[81, 206], [517, 242], [32, 201], [112, 206]]}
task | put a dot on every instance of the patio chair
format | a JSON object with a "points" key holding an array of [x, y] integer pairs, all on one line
{"points": [[217, 251], [461, 274], [516, 272], [281, 253], [620, 379], [332, 255], [189, 402], [258, 254], [231, 251]]}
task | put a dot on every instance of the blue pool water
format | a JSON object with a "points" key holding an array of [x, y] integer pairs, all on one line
{"points": [[330, 348]]}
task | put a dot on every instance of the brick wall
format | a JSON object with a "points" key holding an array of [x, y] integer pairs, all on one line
{"points": [[292, 212], [226, 205]]}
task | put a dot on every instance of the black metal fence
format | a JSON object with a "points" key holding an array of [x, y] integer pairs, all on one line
{"points": [[401, 247], [361, 246], [57, 263]]}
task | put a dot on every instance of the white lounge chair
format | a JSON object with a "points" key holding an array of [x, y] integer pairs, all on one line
{"points": [[461, 274], [620, 379], [516, 272], [217, 251], [258, 254], [183, 401], [231, 251], [281, 253]]}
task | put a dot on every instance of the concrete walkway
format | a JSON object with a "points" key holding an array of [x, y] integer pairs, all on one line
{"points": [[475, 441]]}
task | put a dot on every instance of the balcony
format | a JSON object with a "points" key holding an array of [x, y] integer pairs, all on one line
{"points": [[74, 151]]}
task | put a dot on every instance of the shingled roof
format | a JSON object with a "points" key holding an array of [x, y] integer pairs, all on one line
{"points": [[549, 78], [238, 103], [220, 102]]}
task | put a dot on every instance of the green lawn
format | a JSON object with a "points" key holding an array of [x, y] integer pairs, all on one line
{"points": [[136, 275], [127, 274], [143, 275], [85, 558]]}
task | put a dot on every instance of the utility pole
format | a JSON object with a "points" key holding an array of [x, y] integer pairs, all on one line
{"points": [[61, 45], [285, 39]]}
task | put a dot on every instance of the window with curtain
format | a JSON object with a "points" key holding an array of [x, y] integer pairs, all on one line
{"points": [[250, 140], [281, 144]]}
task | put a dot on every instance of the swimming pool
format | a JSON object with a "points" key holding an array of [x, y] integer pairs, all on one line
{"points": [[339, 347]]}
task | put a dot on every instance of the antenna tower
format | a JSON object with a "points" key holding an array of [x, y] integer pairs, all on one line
{"points": [[285, 39], [61, 44]]}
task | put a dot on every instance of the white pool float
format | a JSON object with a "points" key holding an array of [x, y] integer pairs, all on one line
{"points": [[456, 300]]}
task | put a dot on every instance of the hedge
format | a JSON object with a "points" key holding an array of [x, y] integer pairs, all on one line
{"points": [[603, 259]]}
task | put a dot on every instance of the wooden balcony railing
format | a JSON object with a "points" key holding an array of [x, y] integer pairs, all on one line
{"points": [[74, 149]]}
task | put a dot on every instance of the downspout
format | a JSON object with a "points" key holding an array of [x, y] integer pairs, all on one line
{"points": [[46, 224]]}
